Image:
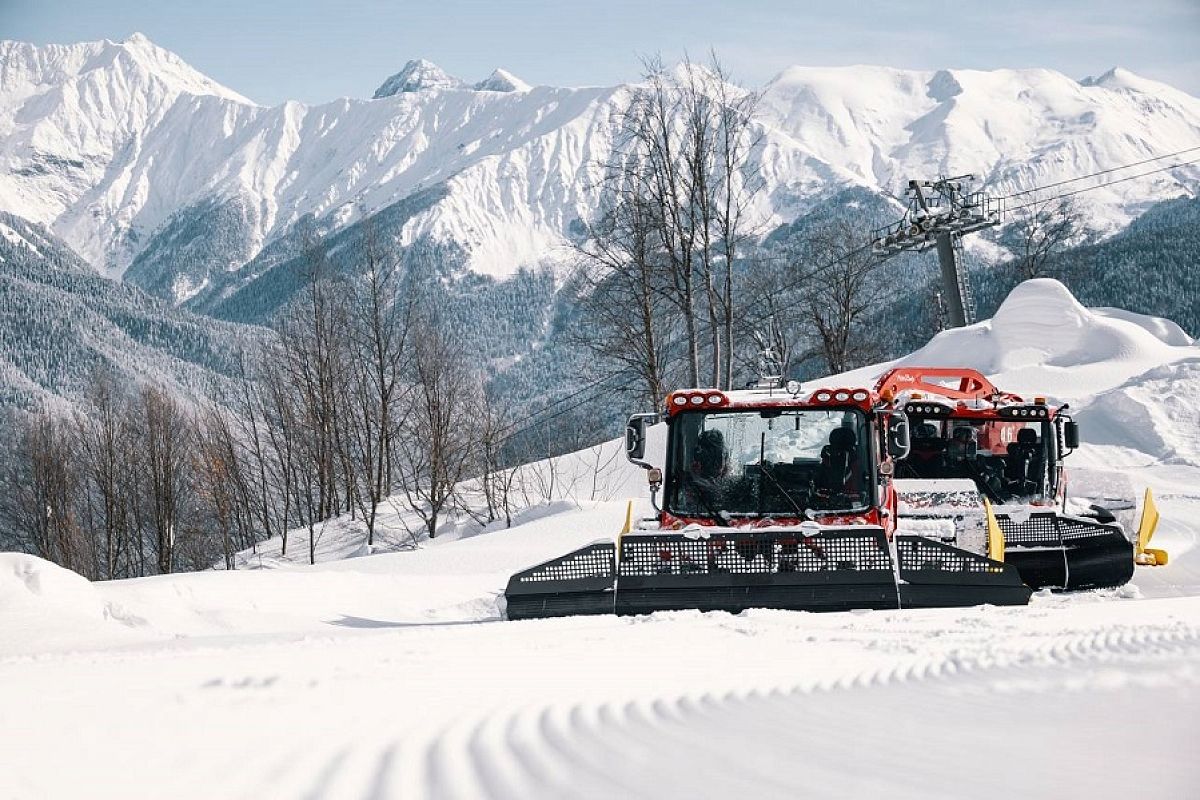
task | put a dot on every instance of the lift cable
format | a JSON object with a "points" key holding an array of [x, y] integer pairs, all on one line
{"points": [[1102, 185], [540, 417], [1101, 172]]}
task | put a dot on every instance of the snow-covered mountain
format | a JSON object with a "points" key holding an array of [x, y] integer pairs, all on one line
{"points": [[501, 80], [142, 164]]}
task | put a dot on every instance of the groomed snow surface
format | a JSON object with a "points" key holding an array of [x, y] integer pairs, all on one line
{"points": [[392, 674]]}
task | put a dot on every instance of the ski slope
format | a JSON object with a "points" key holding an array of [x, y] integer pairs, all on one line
{"points": [[393, 675]]}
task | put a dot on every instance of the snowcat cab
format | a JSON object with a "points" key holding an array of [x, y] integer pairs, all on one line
{"points": [[771, 498], [981, 457]]}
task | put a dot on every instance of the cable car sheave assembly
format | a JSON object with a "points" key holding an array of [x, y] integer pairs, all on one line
{"points": [[845, 498]]}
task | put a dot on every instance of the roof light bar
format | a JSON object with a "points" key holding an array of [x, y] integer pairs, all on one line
{"points": [[927, 409], [841, 396], [1025, 412], [699, 398]]}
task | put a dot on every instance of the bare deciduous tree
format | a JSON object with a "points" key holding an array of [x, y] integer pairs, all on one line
{"points": [[167, 442], [105, 436], [313, 334], [223, 484], [1041, 231], [626, 318], [841, 296], [677, 215], [438, 443], [380, 320], [38, 493]]}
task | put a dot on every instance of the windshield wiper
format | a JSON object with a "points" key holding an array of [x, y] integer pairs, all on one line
{"points": [[701, 494], [762, 465]]}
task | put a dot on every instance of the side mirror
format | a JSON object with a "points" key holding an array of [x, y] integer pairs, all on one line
{"points": [[1071, 434], [899, 441], [635, 440], [635, 437]]}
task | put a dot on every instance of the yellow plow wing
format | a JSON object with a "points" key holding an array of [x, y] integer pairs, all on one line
{"points": [[1143, 555]]}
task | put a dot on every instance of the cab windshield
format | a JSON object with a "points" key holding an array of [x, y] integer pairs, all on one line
{"points": [[1010, 460], [769, 462]]}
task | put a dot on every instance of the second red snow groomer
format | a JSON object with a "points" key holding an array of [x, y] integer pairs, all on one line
{"points": [[983, 456]]}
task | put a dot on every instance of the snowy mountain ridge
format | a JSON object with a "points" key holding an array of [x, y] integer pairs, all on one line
{"points": [[118, 146]]}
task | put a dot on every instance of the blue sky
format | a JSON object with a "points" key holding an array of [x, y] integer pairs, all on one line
{"points": [[297, 49]]}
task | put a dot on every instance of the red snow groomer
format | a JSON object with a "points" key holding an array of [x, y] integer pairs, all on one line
{"points": [[983, 457], [771, 498]]}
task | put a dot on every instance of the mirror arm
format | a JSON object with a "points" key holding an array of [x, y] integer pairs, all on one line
{"points": [[655, 477]]}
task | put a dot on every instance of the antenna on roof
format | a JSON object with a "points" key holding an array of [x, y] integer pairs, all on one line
{"points": [[770, 365]]}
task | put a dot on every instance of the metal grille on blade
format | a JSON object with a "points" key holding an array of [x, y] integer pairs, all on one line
{"points": [[758, 555], [918, 554], [595, 562]]}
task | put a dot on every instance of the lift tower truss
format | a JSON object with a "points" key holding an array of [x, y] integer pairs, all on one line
{"points": [[939, 214]]}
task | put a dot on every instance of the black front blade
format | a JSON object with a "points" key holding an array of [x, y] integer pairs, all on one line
{"points": [[830, 570], [1061, 552]]}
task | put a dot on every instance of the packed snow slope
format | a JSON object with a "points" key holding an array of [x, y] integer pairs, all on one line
{"points": [[393, 675], [117, 146]]}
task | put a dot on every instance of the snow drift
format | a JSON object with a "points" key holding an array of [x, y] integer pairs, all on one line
{"points": [[1156, 413], [30, 582]]}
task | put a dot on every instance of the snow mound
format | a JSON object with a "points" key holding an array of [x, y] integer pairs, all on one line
{"points": [[1043, 341], [417, 76], [502, 80], [28, 582], [1166, 330], [44, 606], [1156, 413]]}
